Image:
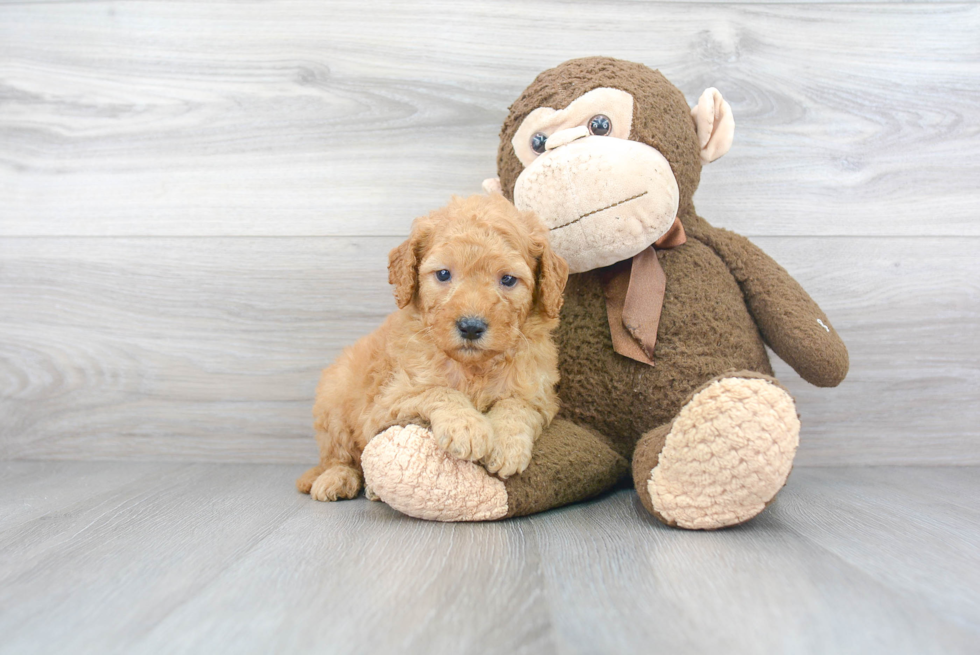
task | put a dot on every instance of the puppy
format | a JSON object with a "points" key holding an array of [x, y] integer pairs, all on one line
{"points": [[468, 353]]}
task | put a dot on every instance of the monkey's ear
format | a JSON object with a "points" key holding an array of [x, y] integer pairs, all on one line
{"points": [[491, 185], [403, 271], [715, 125]]}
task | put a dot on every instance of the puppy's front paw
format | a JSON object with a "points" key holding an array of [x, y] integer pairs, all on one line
{"points": [[336, 483], [463, 434], [510, 453]]}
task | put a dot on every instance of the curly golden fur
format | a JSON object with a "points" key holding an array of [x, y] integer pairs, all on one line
{"points": [[486, 398]]}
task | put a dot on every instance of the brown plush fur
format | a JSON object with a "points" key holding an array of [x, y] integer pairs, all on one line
{"points": [[570, 462], [486, 400], [704, 330], [725, 299]]}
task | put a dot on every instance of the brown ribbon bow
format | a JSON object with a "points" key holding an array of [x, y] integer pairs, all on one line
{"points": [[634, 292]]}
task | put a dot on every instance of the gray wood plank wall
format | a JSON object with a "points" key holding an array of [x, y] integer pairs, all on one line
{"points": [[197, 200]]}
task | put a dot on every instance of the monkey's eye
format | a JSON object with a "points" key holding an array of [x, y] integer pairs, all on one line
{"points": [[600, 125], [443, 275], [508, 280], [538, 141]]}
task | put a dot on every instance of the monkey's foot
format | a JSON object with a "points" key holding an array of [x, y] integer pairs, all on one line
{"points": [[406, 468], [725, 456]]}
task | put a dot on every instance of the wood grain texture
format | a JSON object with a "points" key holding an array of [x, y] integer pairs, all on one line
{"points": [[181, 348], [91, 576], [196, 200], [196, 204], [757, 588], [210, 349], [365, 579], [29, 490], [229, 558], [327, 118], [837, 506]]}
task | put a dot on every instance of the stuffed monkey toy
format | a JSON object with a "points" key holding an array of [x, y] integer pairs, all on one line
{"points": [[663, 333]]}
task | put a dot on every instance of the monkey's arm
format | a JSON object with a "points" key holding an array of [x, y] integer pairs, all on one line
{"points": [[791, 323]]}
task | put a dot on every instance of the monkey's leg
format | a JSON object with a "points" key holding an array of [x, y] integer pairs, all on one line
{"points": [[723, 458], [408, 471]]}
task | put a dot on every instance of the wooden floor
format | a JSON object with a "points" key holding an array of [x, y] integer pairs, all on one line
{"points": [[196, 205], [207, 558]]}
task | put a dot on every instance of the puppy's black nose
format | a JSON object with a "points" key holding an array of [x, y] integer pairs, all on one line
{"points": [[471, 328]]}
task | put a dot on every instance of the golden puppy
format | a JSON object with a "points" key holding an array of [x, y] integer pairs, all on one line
{"points": [[469, 351]]}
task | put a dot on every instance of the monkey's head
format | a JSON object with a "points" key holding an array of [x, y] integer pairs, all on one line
{"points": [[606, 152]]}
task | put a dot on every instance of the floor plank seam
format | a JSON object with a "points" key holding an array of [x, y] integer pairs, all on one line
{"points": [[869, 579], [232, 561], [100, 497]]}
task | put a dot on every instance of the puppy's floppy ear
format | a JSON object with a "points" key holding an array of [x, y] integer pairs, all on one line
{"points": [[552, 276], [404, 260], [403, 270]]}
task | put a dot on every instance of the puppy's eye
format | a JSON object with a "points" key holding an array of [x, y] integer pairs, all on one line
{"points": [[600, 125], [538, 141], [508, 280], [444, 275]]}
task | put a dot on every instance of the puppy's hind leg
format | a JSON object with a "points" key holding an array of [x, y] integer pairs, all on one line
{"points": [[336, 483], [305, 481], [338, 475]]}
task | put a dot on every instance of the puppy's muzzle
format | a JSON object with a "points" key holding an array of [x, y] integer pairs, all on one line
{"points": [[471, 328]]}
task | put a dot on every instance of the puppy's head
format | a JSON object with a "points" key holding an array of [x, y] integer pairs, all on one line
{"points": [[481, 274]]}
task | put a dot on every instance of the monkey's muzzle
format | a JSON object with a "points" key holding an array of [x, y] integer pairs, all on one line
{"points": [[604, 199]]}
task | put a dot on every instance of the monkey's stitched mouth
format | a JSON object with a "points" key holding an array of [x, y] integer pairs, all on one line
{"points": [[601, 209]]}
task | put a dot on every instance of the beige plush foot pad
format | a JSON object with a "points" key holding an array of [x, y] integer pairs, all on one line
{"points": [[405, 468], [728, 452]]}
